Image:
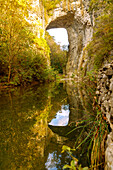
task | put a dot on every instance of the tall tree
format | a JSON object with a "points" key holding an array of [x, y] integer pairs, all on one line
{"points": [[18, 38]]}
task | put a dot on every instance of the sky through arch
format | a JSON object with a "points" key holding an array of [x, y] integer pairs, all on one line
{"points": [[60, 35]]}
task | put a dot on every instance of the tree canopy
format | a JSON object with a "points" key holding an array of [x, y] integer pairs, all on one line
{"points": [[24, 53], [58, 55]]}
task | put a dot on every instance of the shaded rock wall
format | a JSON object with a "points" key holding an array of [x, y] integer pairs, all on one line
{"points": [[79, 33], [105, 93]]}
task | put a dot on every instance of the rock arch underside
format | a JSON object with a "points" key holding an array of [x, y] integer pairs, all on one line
{"points": [[79, 25]]}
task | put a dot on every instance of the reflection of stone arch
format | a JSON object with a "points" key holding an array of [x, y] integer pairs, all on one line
{"points": [[83, 95], [79, 101]]}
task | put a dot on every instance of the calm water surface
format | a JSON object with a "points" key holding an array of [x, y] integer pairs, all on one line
{"points": [[34, 125]]}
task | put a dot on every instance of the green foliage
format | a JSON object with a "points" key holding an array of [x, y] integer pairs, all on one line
{"points": [[74, 163], [95, 139], [97, 4], [101, 46], [92, 75], [24, 57], [58, 56], [50, 5], [67, 148]]}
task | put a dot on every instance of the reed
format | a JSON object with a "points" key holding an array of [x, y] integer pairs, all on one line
{"points": [[95, 140]]}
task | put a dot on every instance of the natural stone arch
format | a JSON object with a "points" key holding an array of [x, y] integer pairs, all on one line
{"points": [[61, 22], [78, 23]]}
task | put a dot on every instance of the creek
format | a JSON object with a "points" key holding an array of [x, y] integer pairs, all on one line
{"points": [[37, 121]]}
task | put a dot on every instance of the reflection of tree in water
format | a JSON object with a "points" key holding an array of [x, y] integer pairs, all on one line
{"points": [[58, 98], [24, 126], [26, 139], [18, 116], [56, 159]]}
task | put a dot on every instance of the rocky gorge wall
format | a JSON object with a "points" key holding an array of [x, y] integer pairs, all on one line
{"points": [[105, 100], [80, 34], [79, 25]]}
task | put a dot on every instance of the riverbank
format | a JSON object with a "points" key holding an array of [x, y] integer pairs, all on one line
{"points": [[84, 91]]}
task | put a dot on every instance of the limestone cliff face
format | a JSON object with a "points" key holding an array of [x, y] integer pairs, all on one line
{"points": [[105, 100], [79, 25]]}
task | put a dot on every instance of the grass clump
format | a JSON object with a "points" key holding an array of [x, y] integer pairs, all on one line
{"points": [[95, 130]]}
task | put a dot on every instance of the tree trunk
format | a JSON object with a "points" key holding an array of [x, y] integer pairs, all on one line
{"points": [[43, 20], [9, 70]]}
